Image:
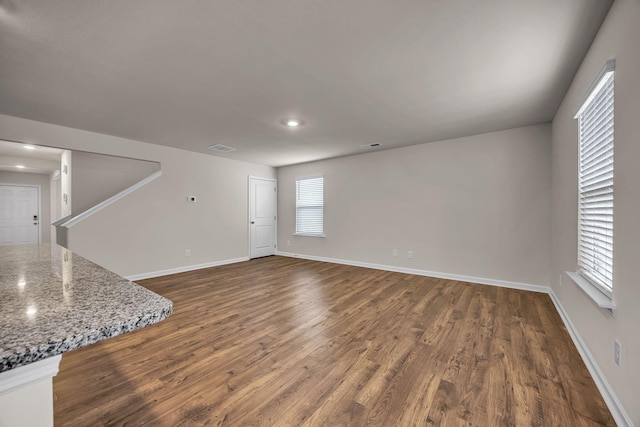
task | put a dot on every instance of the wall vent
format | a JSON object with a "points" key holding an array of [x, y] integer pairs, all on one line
{"points": [[221, 148], [372, 145]]}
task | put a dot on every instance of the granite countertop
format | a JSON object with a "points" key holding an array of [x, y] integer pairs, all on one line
{"points": [[53, 301]]}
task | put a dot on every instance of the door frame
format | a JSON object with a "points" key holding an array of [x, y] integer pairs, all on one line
{"points": [[38, 201], [250, 205]]}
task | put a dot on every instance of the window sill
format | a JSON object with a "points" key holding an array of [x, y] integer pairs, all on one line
{"points": [[309, 235], [592, 292]]}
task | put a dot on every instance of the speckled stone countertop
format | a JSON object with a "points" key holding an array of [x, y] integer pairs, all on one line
{"points": [[53, 301]]}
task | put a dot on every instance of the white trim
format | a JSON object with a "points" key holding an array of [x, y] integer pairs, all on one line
{"points": [[439, 275], [184, 269], [613, 403], [592, 291], [40, 214], [59, 222], [32, 373], [86, 214], [309, 235]]}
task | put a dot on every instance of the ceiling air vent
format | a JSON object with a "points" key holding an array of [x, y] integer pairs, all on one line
{"points": [[221, 148], [372, 145]]}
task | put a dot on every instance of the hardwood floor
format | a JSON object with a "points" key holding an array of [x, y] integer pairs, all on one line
{"points": [[287, 342]]}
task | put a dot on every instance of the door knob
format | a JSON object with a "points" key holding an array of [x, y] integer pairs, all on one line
{"points": [[253, 222]]}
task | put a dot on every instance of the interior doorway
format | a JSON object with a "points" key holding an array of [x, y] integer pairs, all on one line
{"points": [[19, 214], [262, 216]]}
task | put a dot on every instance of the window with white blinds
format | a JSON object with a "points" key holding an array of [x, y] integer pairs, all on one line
{"points": [[310, 206], [595, 183]]}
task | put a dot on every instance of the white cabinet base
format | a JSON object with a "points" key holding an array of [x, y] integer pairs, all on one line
{"points": [[26, 394]]}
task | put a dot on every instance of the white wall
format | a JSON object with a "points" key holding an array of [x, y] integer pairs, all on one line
{"points": [[28, 406], [43, 182], [475, 206], [96, 177], [618, 38], [149, 230], [55, 201]]}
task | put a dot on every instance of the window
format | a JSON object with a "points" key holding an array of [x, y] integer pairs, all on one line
{"points": [[595, 182], [310, 206]]}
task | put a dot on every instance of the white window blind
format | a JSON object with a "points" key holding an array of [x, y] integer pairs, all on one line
{"points": [[595, 184], [310, 206]]}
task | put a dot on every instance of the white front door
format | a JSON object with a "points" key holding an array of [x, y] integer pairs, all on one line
{"points": [[262, 217], [19, 214]]}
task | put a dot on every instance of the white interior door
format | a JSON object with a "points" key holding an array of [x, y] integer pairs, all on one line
{"points": [[262, 217], [19, 215]]}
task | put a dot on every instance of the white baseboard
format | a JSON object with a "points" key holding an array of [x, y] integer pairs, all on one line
{"points": [[417, 272], [613, 403], [184, 269]]}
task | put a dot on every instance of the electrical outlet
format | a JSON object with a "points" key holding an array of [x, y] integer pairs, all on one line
{"points": [[394, 252], [288, 242], [187, 252], [560, 279], [410, 254], [617, 352]]}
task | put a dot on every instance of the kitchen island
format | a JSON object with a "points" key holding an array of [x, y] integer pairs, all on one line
{"points": [[53, 301]]}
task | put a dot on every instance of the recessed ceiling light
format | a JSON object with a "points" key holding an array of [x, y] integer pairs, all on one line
{"points": [[29, 147], [293, 123], [20, 166]]}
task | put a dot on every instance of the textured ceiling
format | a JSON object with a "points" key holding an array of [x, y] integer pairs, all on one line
{"points": [[192, 73]]}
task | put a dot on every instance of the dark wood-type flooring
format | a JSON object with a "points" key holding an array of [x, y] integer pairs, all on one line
{"points": [[287, 342]]}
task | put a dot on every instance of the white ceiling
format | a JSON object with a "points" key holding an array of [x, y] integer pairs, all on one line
{"points": [[192, 73], [42, 160]]}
